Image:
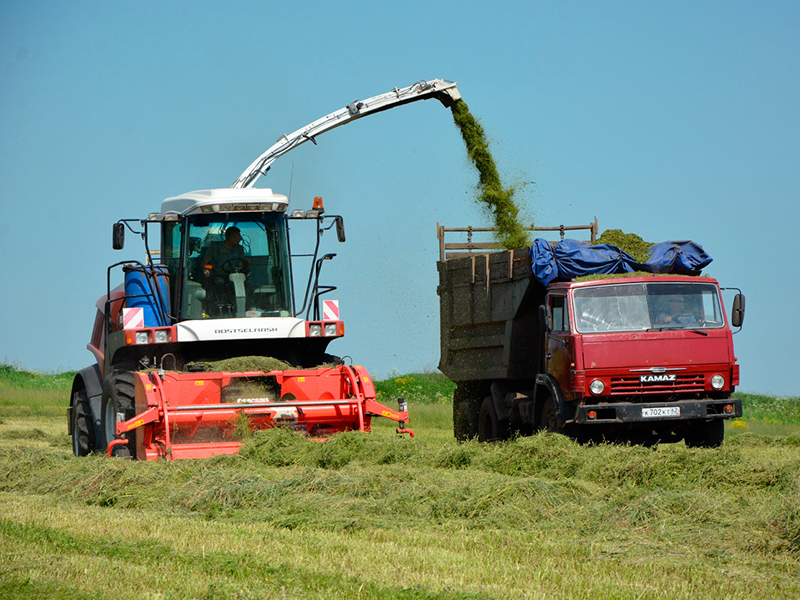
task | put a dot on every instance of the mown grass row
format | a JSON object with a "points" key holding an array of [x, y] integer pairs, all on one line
{"points": [[377, 516]]}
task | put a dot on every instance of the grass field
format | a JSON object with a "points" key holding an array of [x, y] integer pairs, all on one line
{"points": [[374, 516]]}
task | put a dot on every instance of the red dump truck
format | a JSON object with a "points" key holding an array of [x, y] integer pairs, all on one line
{"points": [[639, 357]]}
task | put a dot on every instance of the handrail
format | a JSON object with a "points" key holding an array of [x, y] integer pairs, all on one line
{"points": [[471, 248]]}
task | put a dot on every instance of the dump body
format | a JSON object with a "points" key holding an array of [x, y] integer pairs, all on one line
{"points": [[597, 358]]}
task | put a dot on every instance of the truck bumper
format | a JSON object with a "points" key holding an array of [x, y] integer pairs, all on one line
{"points": [[656, 412]]}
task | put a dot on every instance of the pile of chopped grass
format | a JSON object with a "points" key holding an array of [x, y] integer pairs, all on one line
{"points": [[627, 242], [243, 363], [498, 199]]}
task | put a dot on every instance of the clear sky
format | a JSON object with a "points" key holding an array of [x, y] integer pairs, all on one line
{"points": [[673, 120]]}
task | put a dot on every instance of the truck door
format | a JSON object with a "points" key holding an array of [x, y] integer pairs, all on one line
{"points": [[558, 342]]}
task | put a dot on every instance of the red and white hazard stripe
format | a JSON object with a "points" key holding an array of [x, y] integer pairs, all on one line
{"points": [[132, 318], [330, 310]]}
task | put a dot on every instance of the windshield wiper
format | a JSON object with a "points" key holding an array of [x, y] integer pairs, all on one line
{"points": [[676, 329]]}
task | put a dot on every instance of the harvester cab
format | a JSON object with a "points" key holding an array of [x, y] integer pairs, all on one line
{"points": [[207, 333]]}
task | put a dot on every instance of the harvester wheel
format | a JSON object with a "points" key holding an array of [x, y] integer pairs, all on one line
{"points": [[490, 428], [118, 397], [705, 434], [82, 426]]}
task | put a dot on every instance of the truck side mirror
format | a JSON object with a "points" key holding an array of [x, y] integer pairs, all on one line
{"points": [[737, 314], [118, 236], [340, 229]]}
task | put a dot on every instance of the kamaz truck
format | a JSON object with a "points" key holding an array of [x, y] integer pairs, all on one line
{"points": [[640, 357]]}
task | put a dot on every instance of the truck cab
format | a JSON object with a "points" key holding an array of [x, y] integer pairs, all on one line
{"points": [[637, 350]]}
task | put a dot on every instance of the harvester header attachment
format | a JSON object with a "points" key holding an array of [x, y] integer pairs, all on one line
{"points": [[197, 415]]}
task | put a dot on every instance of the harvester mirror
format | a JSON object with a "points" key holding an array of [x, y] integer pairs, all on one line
{"points": [[737, 314], [118, 236], [340, 229]]}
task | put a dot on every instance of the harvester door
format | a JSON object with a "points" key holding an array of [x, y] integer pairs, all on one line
{"points": [[558, 342]]}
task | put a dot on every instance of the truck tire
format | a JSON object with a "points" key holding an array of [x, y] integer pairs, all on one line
{"points": [[705, 434], [549, 417], [465, 415], [490, 428], [82, 426], [118, 397]]}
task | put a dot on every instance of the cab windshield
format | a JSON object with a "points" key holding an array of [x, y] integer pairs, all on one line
{"points": [[237, 266], [647, 307]]}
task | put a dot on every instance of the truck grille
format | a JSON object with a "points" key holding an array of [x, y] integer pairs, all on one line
{"points": [[632, 385]]}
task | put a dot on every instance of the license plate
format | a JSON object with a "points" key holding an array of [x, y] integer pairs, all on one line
{"points": [[662, 411]]}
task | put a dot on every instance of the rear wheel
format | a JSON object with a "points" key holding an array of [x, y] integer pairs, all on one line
{"points": [[490, 428], [118, 399], [705, 434], [465, 415], [82, 426]]}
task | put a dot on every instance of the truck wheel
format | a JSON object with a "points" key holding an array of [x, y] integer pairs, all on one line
{"points": [[465, 416], [705, 434], [118, 397], [82, 427], [549, 418], [490, 428]]}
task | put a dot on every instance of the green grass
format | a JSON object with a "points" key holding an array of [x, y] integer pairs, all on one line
{"points": [[377, 516]]}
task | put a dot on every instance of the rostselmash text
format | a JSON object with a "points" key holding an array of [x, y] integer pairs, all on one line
{"points": [[238, 330]]}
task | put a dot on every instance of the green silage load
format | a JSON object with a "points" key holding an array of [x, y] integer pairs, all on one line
{"points": [[627, 242], [498, 199]]}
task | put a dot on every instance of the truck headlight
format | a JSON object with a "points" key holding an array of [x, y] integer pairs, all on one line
{"points": [[315, 330], [142, 337], [597, 387], [330, 329], [717, 382]]}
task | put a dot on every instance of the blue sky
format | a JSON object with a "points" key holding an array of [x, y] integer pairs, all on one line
{"points": [[673, 120]]}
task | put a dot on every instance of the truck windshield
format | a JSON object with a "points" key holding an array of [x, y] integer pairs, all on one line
{"points": [[237, 266], [647, 306]]}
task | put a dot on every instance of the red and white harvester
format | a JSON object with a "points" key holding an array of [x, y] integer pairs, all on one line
{"points": [[198, 341]]}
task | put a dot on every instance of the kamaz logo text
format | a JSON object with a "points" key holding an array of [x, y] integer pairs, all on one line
{"points": [[657, 378]]}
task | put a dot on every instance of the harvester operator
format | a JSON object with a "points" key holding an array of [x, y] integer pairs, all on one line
{"points": [[220, 261], [225, 256]]}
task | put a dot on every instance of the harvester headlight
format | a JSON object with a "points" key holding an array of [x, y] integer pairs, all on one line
{"points": [[141, 337], [330, 329], [597, 387], [161, 336], [315, 330], [717, 382]]}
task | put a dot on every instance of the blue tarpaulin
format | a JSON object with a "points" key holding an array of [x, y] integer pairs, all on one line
{"points": [[570, 259]]}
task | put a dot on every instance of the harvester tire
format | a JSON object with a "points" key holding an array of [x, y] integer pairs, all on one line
{"points": [[118, 397], [82, 426], [491, 428], [705, 434]]}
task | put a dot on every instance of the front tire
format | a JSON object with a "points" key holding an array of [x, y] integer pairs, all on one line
{"points": [[705, 434], [118, 397], [549, 418], [490, 427], [82, 426]]}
